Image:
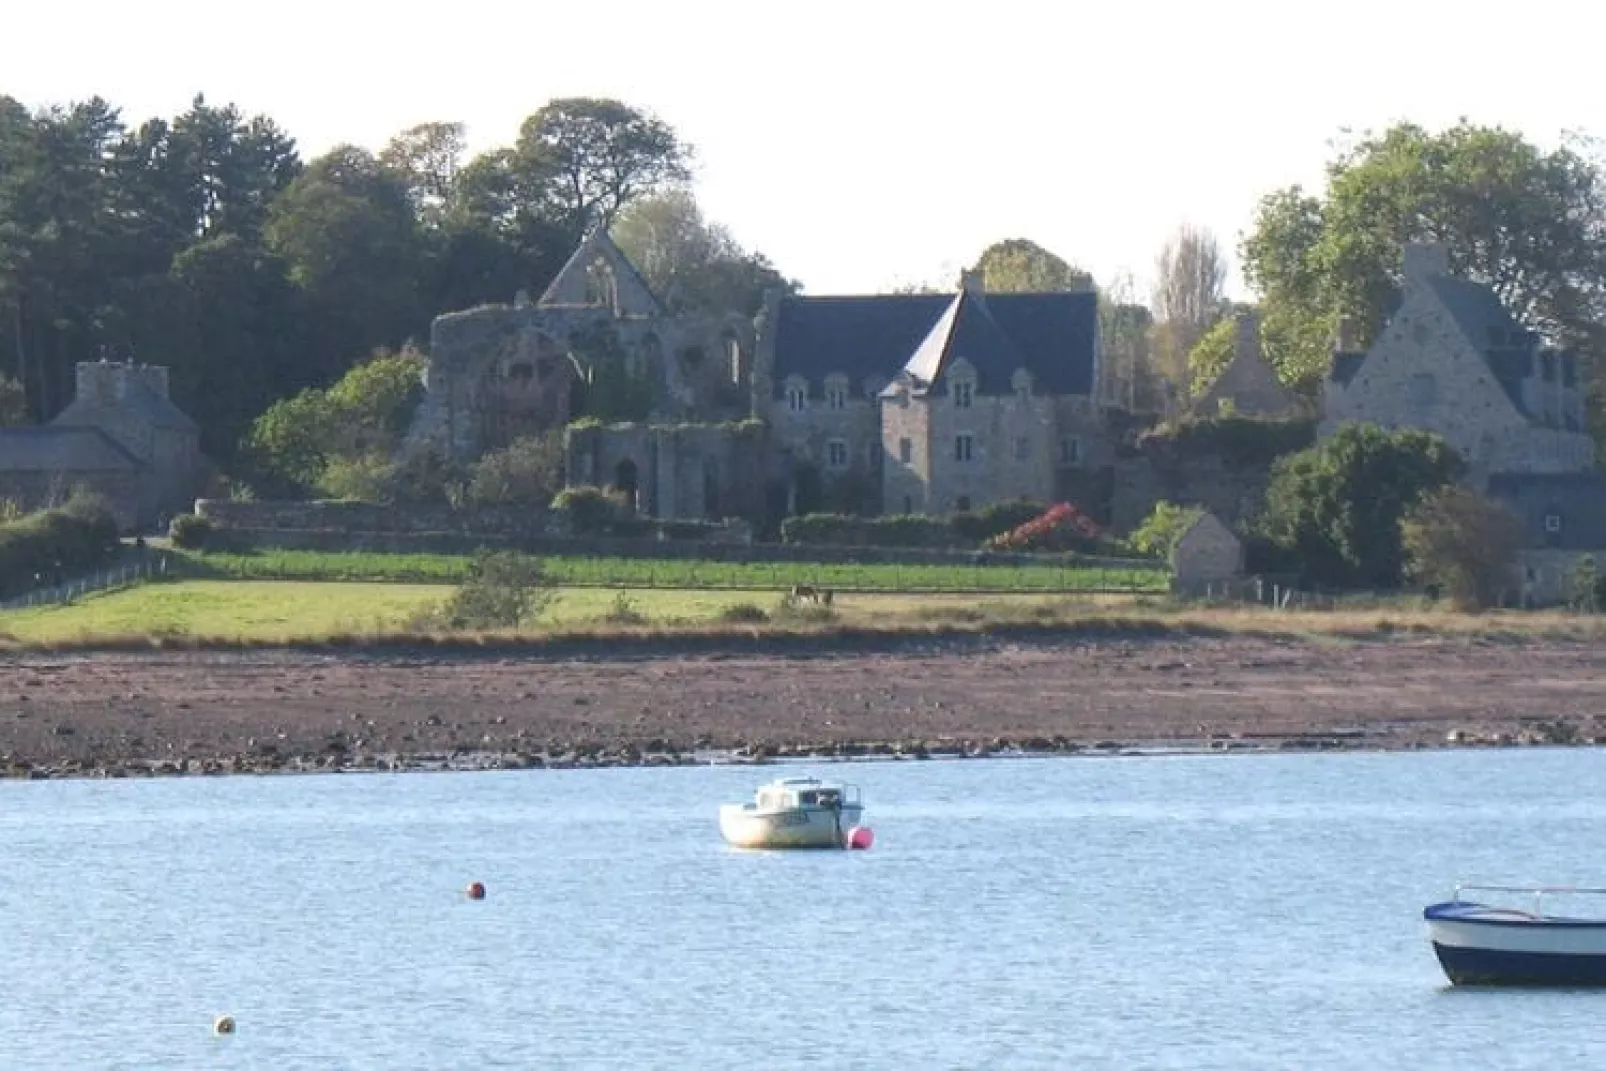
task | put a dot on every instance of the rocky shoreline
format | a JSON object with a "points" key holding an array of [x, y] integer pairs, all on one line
{"points": [[192, 713]]}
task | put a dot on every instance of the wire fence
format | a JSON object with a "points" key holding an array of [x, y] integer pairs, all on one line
{"points": [[127, 575]]}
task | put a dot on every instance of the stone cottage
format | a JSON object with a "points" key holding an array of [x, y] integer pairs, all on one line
{"points": [[1453, 360], [121, 437]]}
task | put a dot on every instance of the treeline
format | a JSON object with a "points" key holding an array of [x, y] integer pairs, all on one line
{"points": [[206, 243]]}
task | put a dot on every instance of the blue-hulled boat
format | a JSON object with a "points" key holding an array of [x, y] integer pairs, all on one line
{"points": [[1485, 944]]}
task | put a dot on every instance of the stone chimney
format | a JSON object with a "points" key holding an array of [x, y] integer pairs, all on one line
{"points": [[95, 382], [154, 376], [1246, 336], [1422, 260], [1344, 338], [973, 281]]}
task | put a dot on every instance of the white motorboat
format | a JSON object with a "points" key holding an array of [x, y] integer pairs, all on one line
{"points": [[796, 812], [1486, 944]]}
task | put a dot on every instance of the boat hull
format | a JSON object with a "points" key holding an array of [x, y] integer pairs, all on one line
{"points": [[810, 828], [1476, 945]]}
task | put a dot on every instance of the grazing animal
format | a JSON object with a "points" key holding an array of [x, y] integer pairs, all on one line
{"points": [[818, 596]]}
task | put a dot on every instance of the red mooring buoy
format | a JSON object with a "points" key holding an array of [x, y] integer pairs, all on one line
{"points": [[860, 838], [476, 891]]}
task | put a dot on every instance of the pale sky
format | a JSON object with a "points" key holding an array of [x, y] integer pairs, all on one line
{"points": [[865, 144]]}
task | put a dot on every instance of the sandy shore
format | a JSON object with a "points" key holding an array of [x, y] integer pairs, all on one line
{"points": [[196, 712]]}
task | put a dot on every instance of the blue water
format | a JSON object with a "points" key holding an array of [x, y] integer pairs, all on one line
{"points": [[1192, 912]]}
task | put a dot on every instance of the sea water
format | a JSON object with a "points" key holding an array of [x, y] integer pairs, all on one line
{"points": [[1219, 911]]}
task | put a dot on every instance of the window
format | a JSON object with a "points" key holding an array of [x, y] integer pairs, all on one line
{"points": [[1569, 370], [797, 398], [1070, 451], [906, 450], [908, 505], [964, 447], [1552, 522], [836, 397], [1023, 448], [1547, 367], [962, 504], [963, 390], [836, 454]]}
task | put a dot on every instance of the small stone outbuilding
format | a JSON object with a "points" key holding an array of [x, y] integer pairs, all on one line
{"points": [[1207, 555]]}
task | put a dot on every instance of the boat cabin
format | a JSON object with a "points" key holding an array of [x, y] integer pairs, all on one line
{"points": [[805, 793]]}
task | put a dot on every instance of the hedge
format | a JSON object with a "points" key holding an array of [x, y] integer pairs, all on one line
{"points": [[53, 545], [957, 530]]}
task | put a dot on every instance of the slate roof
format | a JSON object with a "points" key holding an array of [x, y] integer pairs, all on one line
{"points": [[1052, 335], [54, 448], [1494, 332], [1579, 498]]}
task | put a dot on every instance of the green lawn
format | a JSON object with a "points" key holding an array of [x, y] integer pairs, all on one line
{"points": [[671, 573], [277, 610]]}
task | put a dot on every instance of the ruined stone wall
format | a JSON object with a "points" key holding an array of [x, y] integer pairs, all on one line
{"points": [[679, 472], [502, 371], [1234, 493], [354, 517]]}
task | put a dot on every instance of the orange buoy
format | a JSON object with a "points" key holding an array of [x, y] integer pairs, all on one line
{"points": [[860, 838], [476, 891]]}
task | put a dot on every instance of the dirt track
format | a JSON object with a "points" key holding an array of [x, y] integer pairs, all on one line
{"points": [[114, 713]]}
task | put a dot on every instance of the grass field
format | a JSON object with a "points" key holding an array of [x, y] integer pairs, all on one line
{"points": [[279, 610], [347, 613], [670, 573]]}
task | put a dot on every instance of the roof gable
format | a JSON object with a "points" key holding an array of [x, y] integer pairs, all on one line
{"points": [[571, 286]]}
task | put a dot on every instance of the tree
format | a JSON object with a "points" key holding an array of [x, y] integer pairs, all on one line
{"points": [[13, 404], [1463, 544], [1161, 529], [1190, 278], [1337, 506], [346, 233], [503, 589], [354, 426], [1019, 264], [427, 159], [527, 472], [691, 264], [594, 156], [1529, 223]]}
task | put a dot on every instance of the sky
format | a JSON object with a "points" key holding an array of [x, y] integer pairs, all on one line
{"points": [[868, 144]]}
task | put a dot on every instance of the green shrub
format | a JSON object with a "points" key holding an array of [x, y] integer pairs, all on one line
{"points": [[191, 531], [744, 613], [590, 510], [53, 545], [503, 589], [1161, 529]]}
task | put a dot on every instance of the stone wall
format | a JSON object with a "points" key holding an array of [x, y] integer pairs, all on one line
{"points": [[1545, 575], [691, 472], [368, 518], [1234, 493]]}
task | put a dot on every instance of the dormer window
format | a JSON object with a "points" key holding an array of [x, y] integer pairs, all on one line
{"points": [[964, 391], [836, 393], [797, 395], [1021, 383]]}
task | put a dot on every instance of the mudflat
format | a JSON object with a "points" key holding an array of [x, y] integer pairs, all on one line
{"points": [[279, 710]]}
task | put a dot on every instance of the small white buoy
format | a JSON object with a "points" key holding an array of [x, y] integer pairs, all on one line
{"points": [[860, 838], [223, 1025]]}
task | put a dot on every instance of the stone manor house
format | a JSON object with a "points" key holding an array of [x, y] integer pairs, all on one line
{"points": [[924, 403]]}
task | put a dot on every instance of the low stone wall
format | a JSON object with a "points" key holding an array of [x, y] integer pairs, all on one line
{"points": [[369, 518], [1545, 576]]}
